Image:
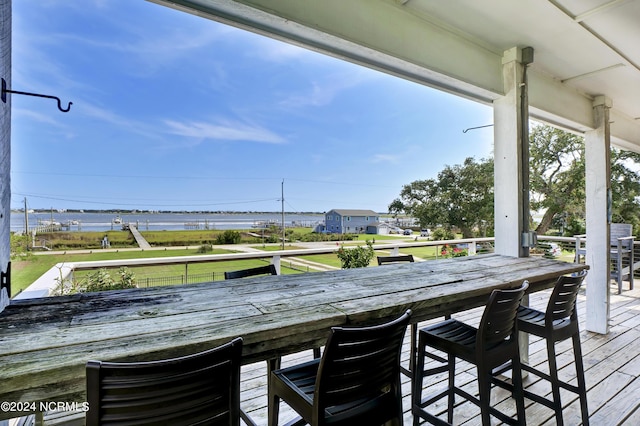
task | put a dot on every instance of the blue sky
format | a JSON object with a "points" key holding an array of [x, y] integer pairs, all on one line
{"points": [[175, 112]]}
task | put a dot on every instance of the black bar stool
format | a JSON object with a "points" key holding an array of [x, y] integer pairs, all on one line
{"points": [[559, 322], [357, 381], [492, 344], [202, 388], [384, 260]]}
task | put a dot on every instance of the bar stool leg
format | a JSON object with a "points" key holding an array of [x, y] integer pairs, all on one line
{"points": [[582, 385], [273, 401], [555, 381], [417, 380], [484, 390], [518, 389], [412, 350], [451, 399]]}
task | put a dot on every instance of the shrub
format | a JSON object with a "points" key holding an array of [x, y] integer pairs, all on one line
{"points": [[453, 251], [101, 280], [19, 248], [229, 237], [442, 234], [127, 278], [358, 257], [205, 248]]}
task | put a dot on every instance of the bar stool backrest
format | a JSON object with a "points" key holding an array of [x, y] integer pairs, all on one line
{"points": [[202, 388], [362, 364], [243, 273], [498, 323], [562, 303], [395, 259]]}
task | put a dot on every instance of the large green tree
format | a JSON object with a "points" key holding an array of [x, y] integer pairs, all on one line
{"points": [[558, 181], [557, 177], [625, 188], [461, 197]]}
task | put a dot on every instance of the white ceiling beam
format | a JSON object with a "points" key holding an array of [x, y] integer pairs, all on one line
{"points": [[597, 10], [592, 73]]}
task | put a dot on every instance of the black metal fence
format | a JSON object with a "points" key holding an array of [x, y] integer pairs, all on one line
{"points": [[197, 278], [178, 279]]}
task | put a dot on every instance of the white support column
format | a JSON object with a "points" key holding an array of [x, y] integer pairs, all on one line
{"points": [[509, 142], [598, 205], [511, 198]]}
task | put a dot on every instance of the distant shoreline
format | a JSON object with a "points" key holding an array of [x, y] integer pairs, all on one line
{"points": [[128, 211], [94, 221]]}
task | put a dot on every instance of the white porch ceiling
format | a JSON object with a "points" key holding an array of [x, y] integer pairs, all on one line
{"points": [[583, 48]]}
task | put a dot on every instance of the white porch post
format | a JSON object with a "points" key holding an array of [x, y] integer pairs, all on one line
{"points": [[510, 119], [511, 165], [598, 205]]}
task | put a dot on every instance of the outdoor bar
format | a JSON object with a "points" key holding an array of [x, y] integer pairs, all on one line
{"points": [[46, 342]]}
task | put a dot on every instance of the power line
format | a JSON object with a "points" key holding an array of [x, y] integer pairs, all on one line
{"points": [[110, 176], [119, 176]]}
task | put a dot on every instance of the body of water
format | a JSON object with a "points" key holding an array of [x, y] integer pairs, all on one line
{"points": [[74, 221]]}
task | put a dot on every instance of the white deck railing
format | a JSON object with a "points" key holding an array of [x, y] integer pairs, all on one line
{"points": [[63, 272]]}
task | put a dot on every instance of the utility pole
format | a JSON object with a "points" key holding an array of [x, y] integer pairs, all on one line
{"points": [[282, 200], [26, 217]]}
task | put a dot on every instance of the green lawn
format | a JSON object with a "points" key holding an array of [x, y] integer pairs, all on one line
{"points": [[24, 273]]}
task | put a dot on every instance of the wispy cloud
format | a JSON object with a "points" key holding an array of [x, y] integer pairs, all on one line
{"points": [[117, 121], [36, 116], [321, 92], [223, 130], [385, 158]]}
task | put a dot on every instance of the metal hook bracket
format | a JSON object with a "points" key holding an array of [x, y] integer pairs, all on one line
{"points": [[478, 127], [5, 91]]}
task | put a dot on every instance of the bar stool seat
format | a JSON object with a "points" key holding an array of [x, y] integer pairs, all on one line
{"points": [[489, 346]]}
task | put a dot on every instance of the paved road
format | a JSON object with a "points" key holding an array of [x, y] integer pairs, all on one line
{"points": [[249, 248]]}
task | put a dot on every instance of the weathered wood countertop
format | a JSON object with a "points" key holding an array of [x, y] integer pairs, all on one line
{"points": [[45, 343]]}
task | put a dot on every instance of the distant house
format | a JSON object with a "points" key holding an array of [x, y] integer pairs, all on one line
{"points": [[347, 221]]}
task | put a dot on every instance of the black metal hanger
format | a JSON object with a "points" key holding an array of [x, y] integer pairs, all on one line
{"points": [[5, 91]]}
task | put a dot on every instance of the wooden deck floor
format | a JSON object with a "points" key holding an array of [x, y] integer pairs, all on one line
{"points": [[612, 367]]}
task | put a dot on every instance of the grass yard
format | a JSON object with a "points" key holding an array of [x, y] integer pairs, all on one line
{"points": [[326, 259], [84, 240], [185, 238], [25, 272], [276, 247]]}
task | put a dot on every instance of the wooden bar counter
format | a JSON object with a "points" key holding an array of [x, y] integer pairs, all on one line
{"points": [[46, 342]]}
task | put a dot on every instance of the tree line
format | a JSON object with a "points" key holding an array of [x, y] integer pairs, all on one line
{"points": [[461, 197]]}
